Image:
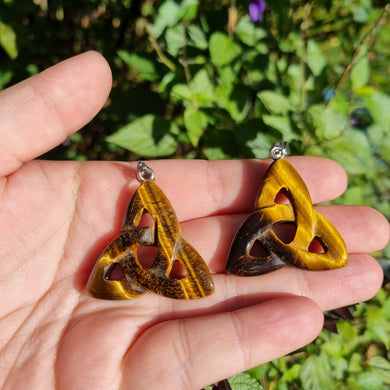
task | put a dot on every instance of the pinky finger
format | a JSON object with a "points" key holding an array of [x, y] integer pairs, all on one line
{"points": [[192, 353]]}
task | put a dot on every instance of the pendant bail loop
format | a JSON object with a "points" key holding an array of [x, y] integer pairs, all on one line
{"points": [[279, 150], [144, 172]]}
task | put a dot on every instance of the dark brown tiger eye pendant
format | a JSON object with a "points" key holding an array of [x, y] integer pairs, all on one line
{"points": [[165, 235], [261, 228]]}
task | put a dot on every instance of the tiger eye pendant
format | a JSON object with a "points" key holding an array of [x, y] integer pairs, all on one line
{"points": [[165, 236], [276, 235]]}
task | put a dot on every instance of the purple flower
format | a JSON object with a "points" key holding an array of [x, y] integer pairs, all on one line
{"points": [[256, 10]]}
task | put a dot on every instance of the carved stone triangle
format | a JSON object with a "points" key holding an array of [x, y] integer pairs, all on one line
{"points": [[309, 224], [165, 234]]}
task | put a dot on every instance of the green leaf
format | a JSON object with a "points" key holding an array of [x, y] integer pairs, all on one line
{"points": [[235, 100], [5, 78], [244, 382], [360, 14], [166, 81], [8, 40], [380, 332], [189, 9], [315, 58], [274, 102], [378, 104], [360, 74], [248, 32], [292, 373], [202, 87], [316, 373], [168, 15], [327, 122], [355, 363], [381, 366], [181, 92], [148, 136], [254, 141], [281, 123], [220, 145], [175, 38], [222, 49], [195, 123], [144, 66], [369, 381], [197, 37]]}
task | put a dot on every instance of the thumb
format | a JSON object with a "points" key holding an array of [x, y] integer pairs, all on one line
{"points": [[37, 114]]}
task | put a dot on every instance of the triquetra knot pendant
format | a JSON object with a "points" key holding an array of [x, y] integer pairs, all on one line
{"points": [[165, 235], [261, 229]]}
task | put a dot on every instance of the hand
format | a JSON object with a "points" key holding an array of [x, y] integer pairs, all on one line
{"points": [[56, 217]]}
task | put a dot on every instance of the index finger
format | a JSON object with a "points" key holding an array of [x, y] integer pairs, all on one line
{"points": [[199, 188]]}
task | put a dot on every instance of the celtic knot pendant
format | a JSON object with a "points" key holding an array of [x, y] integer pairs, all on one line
{"points": [[165, 235], [262, 227]]}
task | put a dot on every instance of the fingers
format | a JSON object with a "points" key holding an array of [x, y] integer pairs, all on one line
{"points": [[356, 282], [39, 113], [192, 353], [200, 188], [364, 230]]}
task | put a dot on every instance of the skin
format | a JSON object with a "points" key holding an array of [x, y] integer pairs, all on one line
{"points": [[57, 217]]}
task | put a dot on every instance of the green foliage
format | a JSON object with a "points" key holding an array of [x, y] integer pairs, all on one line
{"points": [[198, 79], [242, 381]]}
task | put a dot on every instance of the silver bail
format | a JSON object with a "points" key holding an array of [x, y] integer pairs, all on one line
{"points": [[144, 172], [279, 150]]}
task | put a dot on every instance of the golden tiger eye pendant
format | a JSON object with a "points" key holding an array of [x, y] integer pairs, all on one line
{"points": [[259, 247], [165, 236]]}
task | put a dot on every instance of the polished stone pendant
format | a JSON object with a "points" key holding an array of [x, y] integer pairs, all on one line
{"points": [[276, 235], [165, 236]]}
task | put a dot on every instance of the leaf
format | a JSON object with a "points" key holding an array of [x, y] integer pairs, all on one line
{"points": [[8, 40], [254, 141], [316, 374], [360, 73], [195, 123], [5, 78], [315, 58], [369, 381], [148, 136], [197, 37], [220, 145], [379, 331], [168, 15], [175, 38], [378, 104], [355, 363], [328, 123], [181, 92], [281, 123], [248, 32], [292, 373], [144, 66], [274, 102], [381, 366], [244, 382], [189, 9], [234, 99], [202, 87], [222, 49]]}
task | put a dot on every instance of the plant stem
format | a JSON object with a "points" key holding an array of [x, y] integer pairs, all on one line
{"points": [[367, 41], [184, 61], [162, 57]]}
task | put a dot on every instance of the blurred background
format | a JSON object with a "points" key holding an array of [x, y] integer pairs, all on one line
{"points": [[227, 79]]}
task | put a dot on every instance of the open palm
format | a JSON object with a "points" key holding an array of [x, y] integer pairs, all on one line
{"points": [[56, 217]]}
